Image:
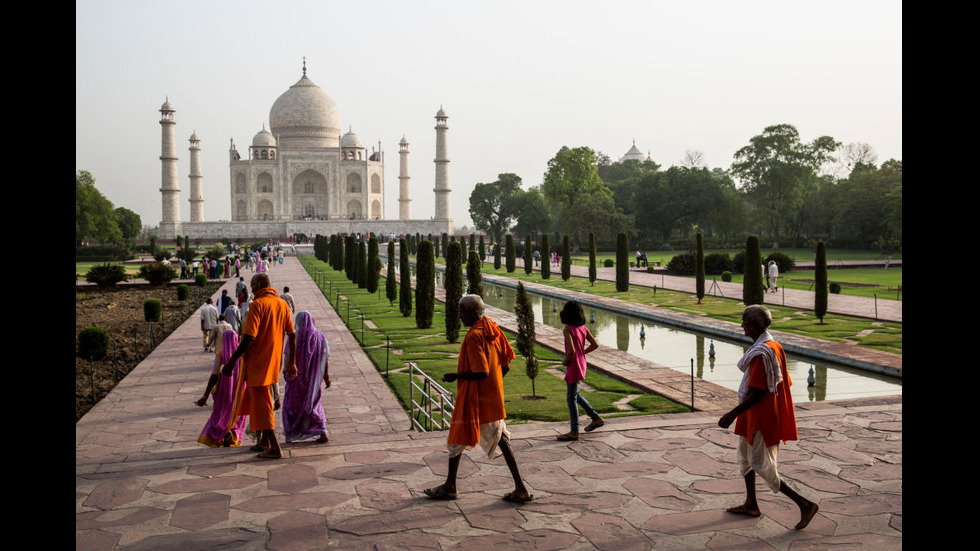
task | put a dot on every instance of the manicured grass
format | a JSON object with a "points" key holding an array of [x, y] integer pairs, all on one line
{"points": [[885, 336], [82, 268], [395, 341], [799, 255], [858, 282]]}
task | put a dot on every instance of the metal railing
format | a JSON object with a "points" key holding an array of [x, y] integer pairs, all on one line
{"points": [[430, 405]]}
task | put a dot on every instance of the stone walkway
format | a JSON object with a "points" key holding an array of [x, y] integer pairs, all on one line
{"points": [[142, 481]]}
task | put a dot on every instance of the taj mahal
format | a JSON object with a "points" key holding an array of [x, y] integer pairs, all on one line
{"points": [[301, 176]]}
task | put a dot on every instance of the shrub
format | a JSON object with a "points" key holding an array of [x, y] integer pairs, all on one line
{"points": [[528, 255], [183, 291], [738, 262], [716, 263], [215, 252], [161, 254], [566, 261], [156, 273], [699, 267], [783, 262], [151, 310], [682, 264], [201, 280], [650, 269], [545, 257], [511, 254], [391, 288], [608, 263], [592, 274], [373, 266], [93, 342], [835, 288], [726, 276], [474, 275], [106, 275]]}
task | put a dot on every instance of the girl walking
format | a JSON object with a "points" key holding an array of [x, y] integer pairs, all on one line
{"points": [[576, 335]]}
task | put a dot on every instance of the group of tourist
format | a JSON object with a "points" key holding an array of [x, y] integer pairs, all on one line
{"points": [[763, 417], [244, 380]]}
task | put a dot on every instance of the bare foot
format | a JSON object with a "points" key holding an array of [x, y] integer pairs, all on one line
{"points": [[322, 439], [745, 510], [806, 515], [202, 402], [270, 454]]}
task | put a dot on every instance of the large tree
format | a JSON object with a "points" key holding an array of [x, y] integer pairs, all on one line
{"points": [[494, 206], [535, 215], [95, 217], [776, 169], [572, 176]]}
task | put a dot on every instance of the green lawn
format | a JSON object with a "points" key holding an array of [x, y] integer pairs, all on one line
{"points": [[396, 341], [858, 282], [799, 255]]}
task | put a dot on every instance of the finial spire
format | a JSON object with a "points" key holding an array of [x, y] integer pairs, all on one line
{"points": [[304, 65]]}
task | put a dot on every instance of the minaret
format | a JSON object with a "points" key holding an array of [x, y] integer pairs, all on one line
{"points": [[442, 168], [169, 187], [404, 201], [197, 192]]}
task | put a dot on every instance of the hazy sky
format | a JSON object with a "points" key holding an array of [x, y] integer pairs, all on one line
{"points": [[518, 79]]}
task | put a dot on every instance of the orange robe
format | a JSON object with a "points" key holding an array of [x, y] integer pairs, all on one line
{"points": [[773, 415], [485, 349], [267, 321]]}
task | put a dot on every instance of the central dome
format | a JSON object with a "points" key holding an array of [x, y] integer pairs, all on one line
{"points": [[305, 116]]}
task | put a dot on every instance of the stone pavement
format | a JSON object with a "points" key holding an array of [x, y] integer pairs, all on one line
{"points": [[142, 481]]}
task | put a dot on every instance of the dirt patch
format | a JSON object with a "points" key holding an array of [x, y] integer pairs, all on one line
{"points": [[120, 312]]}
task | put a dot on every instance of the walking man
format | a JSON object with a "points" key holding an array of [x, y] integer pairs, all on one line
{"points": [[209, 318], [478, 417], [764, 415], [261, 345]]}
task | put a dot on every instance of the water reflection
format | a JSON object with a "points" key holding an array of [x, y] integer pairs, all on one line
{"points": [[684, 351]]}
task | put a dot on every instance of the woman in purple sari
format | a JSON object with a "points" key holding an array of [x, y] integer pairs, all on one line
{"points": [[302, 411], [225, 428]]}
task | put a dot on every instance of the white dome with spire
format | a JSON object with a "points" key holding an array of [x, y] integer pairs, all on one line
{"points": [[305, 115], [264, 139], [350, 139]]}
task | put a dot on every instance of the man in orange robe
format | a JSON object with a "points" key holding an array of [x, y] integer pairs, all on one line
{"points": [[764, 415], [478, 415], [261, 344]]}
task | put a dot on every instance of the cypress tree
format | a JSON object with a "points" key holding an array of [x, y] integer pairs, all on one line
{"points": [[622, 263], [511, 258], [436, 248], [349, 257], [472, 242], [528, 255], [373, 266], [545, 257], [483, 249], [444, 244], [425, 285], [820, 282], [496, 256], [474, 276], [391, 289], [362, 265], [592, 272], [454, 290], [752, 289], [525, 334], [405, 285], [699, 268], [566, 262]]}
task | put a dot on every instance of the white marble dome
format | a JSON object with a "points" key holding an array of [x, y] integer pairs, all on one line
{"points": [[264, 139], [350, 139], [307, 115]]}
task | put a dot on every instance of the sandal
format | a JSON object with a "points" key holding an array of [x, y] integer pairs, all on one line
{"points": [[571, 436], [439, 492], [514, 498]]}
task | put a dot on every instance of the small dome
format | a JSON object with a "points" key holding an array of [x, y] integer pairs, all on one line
{"points": [[403, 142], [634, 154], [441, 114], [167, 106], [194, 137], [350, 139], [264, 139]]}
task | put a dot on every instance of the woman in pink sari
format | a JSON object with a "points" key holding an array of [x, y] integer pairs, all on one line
{"points": [[302, 410], [225, 428]]}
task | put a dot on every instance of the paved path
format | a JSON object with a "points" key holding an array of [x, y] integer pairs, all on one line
{"points": [[142, 481]]}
